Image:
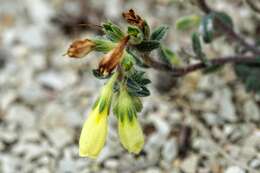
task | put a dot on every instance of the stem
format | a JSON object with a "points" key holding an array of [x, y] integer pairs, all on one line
{"points": [[182, 71], [253, 6]]}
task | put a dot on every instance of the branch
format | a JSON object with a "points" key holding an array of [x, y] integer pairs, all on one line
{"points": [[253, 6], [228, 30], [182, 71]]}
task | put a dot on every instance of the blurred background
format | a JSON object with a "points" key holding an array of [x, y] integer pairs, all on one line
{"points": [[198, 124]]}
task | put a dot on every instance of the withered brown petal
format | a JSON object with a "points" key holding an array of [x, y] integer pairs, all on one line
{"points": [[110, 60], [80, 48], [134, 19]]}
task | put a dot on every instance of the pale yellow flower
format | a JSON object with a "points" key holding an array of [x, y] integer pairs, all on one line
{"points": [[93, 134], [94, 131], [129, 129], [131, 135]]}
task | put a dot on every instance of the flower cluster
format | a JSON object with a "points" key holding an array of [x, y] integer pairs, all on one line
{"points": [[94, 131], [124, 87]]}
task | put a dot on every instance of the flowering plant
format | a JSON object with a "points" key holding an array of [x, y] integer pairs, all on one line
{"points": [[127, 51]]}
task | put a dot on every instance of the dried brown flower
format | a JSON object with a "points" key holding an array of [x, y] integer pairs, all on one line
{"points": [[110, 60], [132, 18], [80, 48]]}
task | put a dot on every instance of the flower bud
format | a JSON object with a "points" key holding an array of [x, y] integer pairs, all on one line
{"points": [[94, 131], [80, 48]]}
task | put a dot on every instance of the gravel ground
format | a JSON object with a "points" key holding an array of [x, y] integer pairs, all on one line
{"points": [[203, 124]]}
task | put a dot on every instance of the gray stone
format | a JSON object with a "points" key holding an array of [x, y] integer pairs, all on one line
{"points": [[58, 80], [6, 98], [161, 125], [170, 150], [60, 137], [255, 163], [251, 110], [234, 169], [29, 150], [8, 136], [32, 93], [153, 170], [10, 164], [42, 170], [189, 165], [212, 119], [111, 163], [67, 164], [226, 107], [21, 115]]}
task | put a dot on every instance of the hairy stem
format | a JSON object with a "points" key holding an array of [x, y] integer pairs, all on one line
{"points": [[182, 71]]}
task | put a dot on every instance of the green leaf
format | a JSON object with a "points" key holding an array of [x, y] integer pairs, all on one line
{"points": [[148, 45], [144, 92], [168, 56], [136, 35], [159, 33], [136, 84], [146, 30], [112, 31], [224, 17], [207, 28], [133, 85], [138, 104], [138, 60], [196, 45], [210, 25], [128, 61], [197, 48], [138, 77], [249, 75], [188, 22]]}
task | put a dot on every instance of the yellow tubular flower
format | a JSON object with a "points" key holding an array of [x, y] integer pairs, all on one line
{"points": [[94, 131], [93, 134], [129, 129], [131, 135]]}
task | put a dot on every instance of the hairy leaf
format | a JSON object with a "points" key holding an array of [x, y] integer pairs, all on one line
{"points": [[136, 83], [168, 56], [137, 59], [249, 75], [207, 28], [196, 45], [112, 31], [159, 33], [148, 45], [187, 22], [136, 35]]}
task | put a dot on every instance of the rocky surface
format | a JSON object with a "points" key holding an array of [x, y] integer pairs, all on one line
{"points": [[45, 97]]}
